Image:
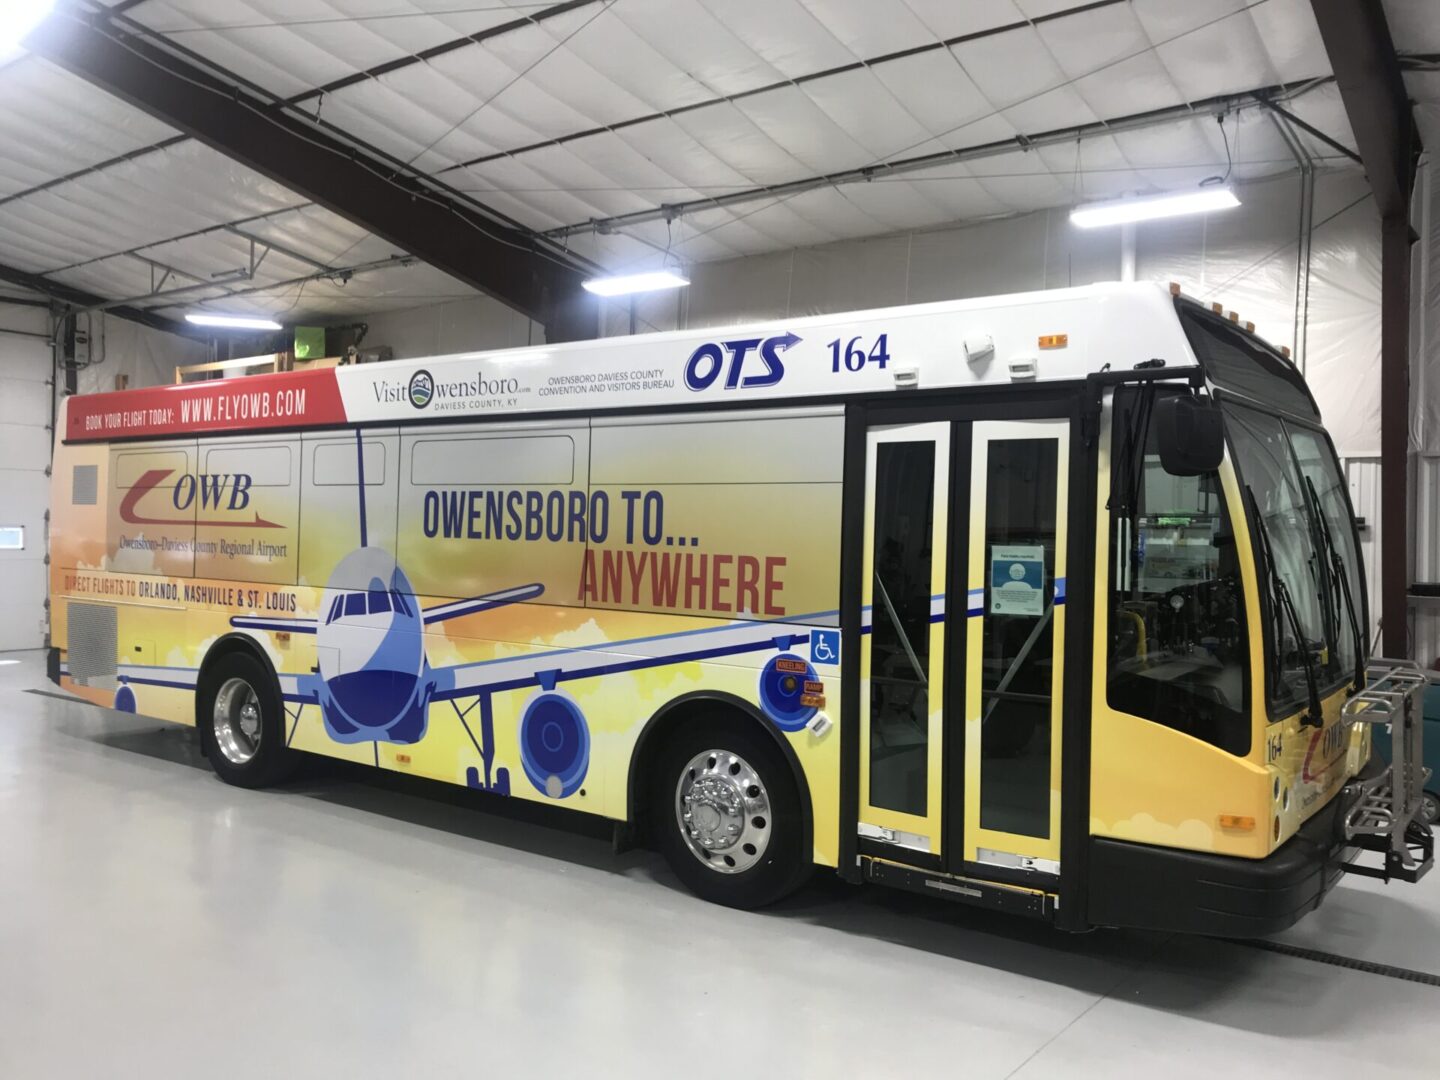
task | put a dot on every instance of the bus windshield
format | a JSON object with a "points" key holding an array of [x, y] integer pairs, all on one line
{"points": [[1307, 553], [1311, 584]]}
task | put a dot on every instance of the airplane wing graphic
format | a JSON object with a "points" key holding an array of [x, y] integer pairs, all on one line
{"points": [[454, 610], [278, 625], [548, 667], [302, 689]]}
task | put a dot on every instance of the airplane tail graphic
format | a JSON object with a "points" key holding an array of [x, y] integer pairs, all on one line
{"points": [[360, 472]]}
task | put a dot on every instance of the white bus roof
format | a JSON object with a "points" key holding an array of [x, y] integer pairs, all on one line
{"points": [[1054, 335]]}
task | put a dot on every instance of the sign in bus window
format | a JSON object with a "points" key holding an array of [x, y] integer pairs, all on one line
{"points": [[900, 620]]}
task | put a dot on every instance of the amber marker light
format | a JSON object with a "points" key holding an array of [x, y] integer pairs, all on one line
{"points": [[1242, 822]]}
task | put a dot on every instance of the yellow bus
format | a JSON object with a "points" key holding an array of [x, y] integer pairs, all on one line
{"points": [[1049, 603]]}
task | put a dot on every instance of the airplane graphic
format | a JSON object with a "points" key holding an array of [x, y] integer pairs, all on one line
{"points": [[374, 683]]}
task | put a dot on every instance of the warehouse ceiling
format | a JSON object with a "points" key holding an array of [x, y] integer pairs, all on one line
{"points": [[622, 133]]}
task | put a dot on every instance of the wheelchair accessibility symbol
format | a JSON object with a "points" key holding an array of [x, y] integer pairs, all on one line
{"points": [[825, 646]]}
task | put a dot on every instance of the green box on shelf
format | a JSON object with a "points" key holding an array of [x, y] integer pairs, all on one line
{"points": [[309, 342]]}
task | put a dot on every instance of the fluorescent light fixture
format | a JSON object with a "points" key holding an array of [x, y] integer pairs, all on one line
{"points": [[626, 284], [234, 322], [19, 17], [1158, 206]]}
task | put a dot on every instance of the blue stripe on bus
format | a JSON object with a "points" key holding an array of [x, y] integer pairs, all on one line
{"points": [[616, 667]]}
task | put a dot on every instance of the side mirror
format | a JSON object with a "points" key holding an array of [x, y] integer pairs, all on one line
{"points": [[1189, 434]]}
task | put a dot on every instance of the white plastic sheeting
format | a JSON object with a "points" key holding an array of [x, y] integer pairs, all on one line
{"points": [[609, 108], [157, 216], [145, 357], [457, 326]]}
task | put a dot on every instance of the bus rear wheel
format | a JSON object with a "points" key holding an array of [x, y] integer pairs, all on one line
{"points": [[240, 715], [726, 814]]}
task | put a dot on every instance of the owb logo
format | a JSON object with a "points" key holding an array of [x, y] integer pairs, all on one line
{"points": [[214, 492], [733, 357], [422, 388]]}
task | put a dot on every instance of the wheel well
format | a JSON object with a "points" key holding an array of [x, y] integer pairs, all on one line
{"points": [[225, 646], [687, 708]]}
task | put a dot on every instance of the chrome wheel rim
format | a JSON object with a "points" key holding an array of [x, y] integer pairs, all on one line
{"points": [[723, 811], [237, 722], [1430, 809]]}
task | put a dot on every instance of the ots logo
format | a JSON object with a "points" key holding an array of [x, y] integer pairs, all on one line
{"points": [[215, 491], [733, 357], [422, 389]]}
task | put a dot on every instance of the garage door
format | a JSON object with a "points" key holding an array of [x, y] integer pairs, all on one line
{"points": [[24, 487]]}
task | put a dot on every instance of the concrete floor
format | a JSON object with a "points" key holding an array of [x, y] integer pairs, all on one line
{"points": [[155, 922]]}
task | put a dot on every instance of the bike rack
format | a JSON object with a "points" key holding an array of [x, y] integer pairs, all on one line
{"points": [[1382, 817]]}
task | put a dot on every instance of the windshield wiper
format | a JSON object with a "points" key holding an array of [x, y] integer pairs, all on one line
{"points": [[1320, 571], [1341, 581], [1286, 605]]}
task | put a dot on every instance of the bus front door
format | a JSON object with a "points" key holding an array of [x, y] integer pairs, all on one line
{"points": [[963, 624]]}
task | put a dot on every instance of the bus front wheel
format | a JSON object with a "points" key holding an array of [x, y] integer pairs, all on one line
{"points": [[241, 720], [726, 814]]}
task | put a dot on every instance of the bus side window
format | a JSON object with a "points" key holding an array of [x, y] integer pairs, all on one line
{"points": [[330, 528], [1177, 649], [495, 507], [247, 509]]}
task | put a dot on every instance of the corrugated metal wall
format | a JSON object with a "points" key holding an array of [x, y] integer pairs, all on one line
{"points": [[24, 467]]}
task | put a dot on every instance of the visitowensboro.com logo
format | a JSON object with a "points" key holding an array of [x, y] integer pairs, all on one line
{"points": [[477, 391]]}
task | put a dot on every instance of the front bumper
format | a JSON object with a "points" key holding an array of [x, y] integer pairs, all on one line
{"points": [[1191, 892]]}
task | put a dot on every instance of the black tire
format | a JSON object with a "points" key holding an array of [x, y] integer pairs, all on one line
{"points": [[784, 862], [270, 760]]}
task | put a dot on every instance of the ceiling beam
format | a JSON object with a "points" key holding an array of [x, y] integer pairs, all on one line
{"points": [[1367, 70], [1362, 55], [79, 298], [534, 18], [442, 228], [551, 12]]}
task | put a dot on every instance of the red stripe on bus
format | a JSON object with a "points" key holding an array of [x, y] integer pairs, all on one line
{"points": [[250, 403]]}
